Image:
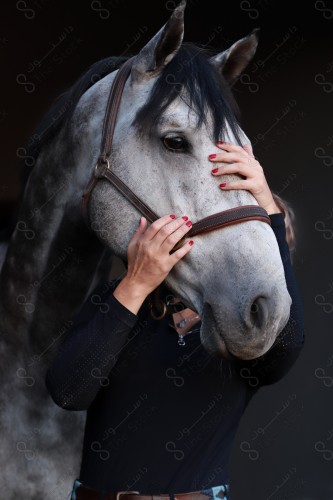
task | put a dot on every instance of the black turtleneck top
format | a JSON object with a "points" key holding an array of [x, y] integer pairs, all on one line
{"points": [[161, 417]]}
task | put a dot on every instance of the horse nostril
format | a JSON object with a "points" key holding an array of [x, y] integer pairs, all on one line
{"points": [[257, 312]]}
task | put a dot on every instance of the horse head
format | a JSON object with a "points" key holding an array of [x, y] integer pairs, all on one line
{"points": [[176, 104]]}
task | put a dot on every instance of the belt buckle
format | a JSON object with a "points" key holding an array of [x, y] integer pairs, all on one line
{"points": [[126, 493]]}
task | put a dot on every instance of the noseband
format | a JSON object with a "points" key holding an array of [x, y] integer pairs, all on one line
{"points": [[103, 170]]}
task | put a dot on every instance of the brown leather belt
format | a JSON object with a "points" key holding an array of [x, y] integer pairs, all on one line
{"points": [[86, 493]]}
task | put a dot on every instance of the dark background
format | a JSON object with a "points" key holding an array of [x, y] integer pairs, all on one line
{"points": [[286, 98]]}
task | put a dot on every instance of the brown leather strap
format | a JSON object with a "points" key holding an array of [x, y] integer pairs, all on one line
{"points": [[112, 108], [227, 217], [86, 196], [130, 195], [109, 124]]}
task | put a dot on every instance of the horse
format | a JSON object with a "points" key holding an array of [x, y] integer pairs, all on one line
{"points": [[176, 103]]}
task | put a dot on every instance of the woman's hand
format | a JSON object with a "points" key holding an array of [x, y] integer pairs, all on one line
{"points": [[149, 258], [240, 160]]}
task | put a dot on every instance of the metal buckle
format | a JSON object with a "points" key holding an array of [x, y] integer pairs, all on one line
{"points": [[100, 167], [126, 493]]}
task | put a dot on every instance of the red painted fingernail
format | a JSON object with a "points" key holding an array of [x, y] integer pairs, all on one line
{"points": [[189, 223], [223, 184], [219, 143], [191, 242], [172, 216], [215, 170], [185, 217], [211, 157]]}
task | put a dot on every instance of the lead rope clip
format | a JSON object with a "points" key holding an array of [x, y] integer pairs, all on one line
{"points": [[181, 340]]}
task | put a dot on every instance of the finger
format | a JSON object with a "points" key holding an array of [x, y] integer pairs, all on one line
{"points": [[241, 184], [175, 236], [230, 147], [155, 226], [229, 157], [183, 250], [248, 149], [170, 228], [234, 168]]}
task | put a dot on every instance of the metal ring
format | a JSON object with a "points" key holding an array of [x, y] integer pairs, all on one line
{"points": [[103, 161], [175, 302], [101, 164], [107, 164], [154, 316]]}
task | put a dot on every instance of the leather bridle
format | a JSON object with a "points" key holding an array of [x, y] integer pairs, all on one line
{"points": [[103, 170]]}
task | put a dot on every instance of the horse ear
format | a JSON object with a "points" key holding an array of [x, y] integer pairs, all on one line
{"points": [[160, 50], [232, 62]]}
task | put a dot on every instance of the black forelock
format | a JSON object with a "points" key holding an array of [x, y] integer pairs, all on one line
{"points": [[192, 77]]}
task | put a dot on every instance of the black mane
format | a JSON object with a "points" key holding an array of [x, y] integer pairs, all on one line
{"points": [[57, 116], [191, 75], [53, 120], [62, 109]]}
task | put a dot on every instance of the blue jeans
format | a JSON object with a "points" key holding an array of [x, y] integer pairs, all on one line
{"points": [[75, 486]]}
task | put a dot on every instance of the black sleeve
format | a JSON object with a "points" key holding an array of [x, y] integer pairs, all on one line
{"points": [[278, 360], [90, 349]]}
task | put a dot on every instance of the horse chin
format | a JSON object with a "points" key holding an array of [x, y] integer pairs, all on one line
{"points": [[215, 338], [211, 335]]}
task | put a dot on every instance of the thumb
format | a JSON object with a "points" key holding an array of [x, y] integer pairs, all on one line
{"points": [[141, 226], [143, 223]]}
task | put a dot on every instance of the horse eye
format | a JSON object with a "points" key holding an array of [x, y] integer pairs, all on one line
{"points": [[176, 143]]}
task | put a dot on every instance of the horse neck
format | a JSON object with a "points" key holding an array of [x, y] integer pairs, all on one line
{"points": [[51, 259]]}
